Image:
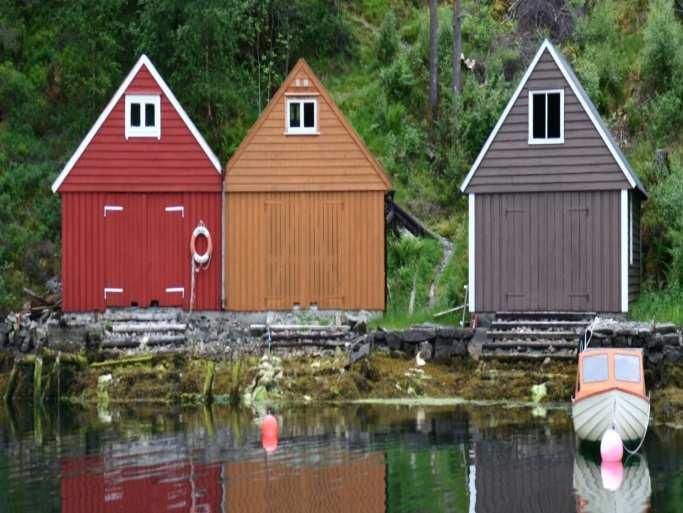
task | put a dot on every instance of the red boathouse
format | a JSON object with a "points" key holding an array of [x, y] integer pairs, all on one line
{"points": [[133, 193]]}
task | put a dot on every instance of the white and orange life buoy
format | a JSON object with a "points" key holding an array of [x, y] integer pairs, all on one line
{"points": [[201, 231]]}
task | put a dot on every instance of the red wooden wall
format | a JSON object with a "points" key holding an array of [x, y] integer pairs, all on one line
{"points": [[142, 249], [175, 162]]}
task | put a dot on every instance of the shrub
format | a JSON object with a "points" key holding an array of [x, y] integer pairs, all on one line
{"points": [[388, 41], [661, 59]]}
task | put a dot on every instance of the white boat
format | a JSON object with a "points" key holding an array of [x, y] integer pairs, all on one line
{"points": [[632, 496], [610, 393]]}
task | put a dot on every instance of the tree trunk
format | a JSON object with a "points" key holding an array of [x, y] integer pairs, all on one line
{"points": [[457, 47], [433, 58]]}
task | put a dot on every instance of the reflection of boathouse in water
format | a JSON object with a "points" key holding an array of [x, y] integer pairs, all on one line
{"points": [[350, 483]]}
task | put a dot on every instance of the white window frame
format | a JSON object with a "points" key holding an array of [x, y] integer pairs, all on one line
{"points": [[546, 140], [142, 130], [302, 130]]}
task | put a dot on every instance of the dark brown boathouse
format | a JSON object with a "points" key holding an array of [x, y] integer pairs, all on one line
{"points": [[554, 206]]}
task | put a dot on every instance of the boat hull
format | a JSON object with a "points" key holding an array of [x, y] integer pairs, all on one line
{"points": [[627, 413]]}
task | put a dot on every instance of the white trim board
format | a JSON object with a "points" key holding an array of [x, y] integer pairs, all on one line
{"points": [[470, 251], [583, 99], [142, 61], [624, 250]]}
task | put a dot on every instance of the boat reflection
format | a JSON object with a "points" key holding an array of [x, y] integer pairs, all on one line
{"points": [[612, 489]]}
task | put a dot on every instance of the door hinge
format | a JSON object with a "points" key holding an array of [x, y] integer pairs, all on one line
{"points": [[176, 208], [176, 290], [112, 208], [112, 291]]}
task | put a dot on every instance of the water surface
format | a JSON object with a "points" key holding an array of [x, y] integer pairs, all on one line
{"points": [[355, 458]]}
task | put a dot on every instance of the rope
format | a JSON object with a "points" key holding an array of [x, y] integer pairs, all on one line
{"points": [[588, 335]]}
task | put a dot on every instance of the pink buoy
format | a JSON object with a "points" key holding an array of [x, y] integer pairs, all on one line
{"points": [[612, 473], [269, 433], [611, 446]]}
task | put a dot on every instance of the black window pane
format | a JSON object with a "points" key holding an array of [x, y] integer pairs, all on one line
{"points": [[149, 115], [134, 114], [294, 115], [538, 120], [554, 116], [309, 115]]}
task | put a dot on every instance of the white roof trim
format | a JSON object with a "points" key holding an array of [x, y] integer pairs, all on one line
{"points": [[142, 61], [578, 92]]}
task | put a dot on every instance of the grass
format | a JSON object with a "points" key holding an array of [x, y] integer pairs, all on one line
{"points": [[660, 305]]}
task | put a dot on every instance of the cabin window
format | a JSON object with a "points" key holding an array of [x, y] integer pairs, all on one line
{"points": [[627, 368], [301, 116], [143, 115], [546, 117], [595, 368]]}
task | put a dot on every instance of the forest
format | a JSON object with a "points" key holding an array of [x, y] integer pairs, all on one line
{"points": [[60, 62]]}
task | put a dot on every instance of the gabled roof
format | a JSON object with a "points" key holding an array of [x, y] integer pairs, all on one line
{"points": [[585, 102], [302, 67], [142, 61]]}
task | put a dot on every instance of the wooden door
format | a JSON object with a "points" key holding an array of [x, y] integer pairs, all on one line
{"points": [[124, 235], [324, 270], [167, 255], [282, 284]]}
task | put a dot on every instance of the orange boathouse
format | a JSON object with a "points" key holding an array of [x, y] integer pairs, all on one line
{"points": [[304, 217]]}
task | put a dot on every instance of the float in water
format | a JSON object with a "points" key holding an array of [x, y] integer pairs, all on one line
{"points": [[610, 394]]}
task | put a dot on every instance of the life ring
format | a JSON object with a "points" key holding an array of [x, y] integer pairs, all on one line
{"points": [[199, 231]]}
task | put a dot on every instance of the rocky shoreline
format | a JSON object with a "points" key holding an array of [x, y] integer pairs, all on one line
{"points": [[222, 360]]}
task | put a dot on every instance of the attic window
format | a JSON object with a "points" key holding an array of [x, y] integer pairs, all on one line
{"points": [[143, 115], [301, 116], [546, 117]]}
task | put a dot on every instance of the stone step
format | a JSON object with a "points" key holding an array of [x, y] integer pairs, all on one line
{"points": [[308, 336], [540, 325], [136, 341], [148, 327], [147, 315], [531, 334], [511, 344], [520, 355], [538, 316]]}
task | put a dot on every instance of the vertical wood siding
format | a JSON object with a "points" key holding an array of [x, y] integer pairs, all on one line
{"points": [[143, 249], [583, 162], [547, 251], [304, 248], [175, 162]]}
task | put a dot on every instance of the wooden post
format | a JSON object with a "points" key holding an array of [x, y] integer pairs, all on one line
{"points": [[208, 381], [433, 60], [457, 47], [37, 380], [11, 384]]}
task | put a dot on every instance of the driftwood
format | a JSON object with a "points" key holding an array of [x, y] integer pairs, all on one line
{"points": [[122, 361]]}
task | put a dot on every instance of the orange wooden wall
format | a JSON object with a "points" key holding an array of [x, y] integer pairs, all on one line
{"points": [[323, 248]]}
